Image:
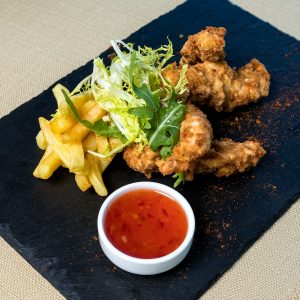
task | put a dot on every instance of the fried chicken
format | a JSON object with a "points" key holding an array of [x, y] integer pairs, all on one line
{"points": [[194, 142], [206, 45], [216, 85], [141, 160], [227, 157], [213, 83]]}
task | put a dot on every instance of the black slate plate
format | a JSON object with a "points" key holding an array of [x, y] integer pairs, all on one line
{"points": [[53, 225]]}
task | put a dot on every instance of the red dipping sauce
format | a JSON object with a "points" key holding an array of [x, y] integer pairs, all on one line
{"points": [[145, 224]]}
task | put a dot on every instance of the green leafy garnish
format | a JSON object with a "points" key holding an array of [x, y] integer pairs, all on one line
{"points": [[136, 95], [180, 179], [144, 107], [163, 133]]}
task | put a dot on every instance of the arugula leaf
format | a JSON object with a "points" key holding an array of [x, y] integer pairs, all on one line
{"points": [[141, 112], [180, 179], [100, 127], [152, 101], [163, 133], [166, 134]]}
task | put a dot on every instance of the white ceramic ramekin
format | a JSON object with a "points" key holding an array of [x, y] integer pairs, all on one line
{"points": [[149, 266]]}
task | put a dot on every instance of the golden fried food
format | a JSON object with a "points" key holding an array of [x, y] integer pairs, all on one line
{"points": [[83, 182], [141, 160], [206, 45], [41, 141], [217, 85], [82, 136], [227, 157], [194, 142]]}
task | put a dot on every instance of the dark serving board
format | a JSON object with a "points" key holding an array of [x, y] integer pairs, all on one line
{"points": [[53, 225]]}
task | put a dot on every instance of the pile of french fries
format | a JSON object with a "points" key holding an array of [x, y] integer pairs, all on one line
{"points": [[66, 142]]}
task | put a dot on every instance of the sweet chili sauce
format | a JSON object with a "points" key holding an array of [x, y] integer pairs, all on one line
{"points": [[145, 224]]}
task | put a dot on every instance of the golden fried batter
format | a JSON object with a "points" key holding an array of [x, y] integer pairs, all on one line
{"points": [[206, 45], [141, 160], [217, 85], [194, 142], [227, 157]]}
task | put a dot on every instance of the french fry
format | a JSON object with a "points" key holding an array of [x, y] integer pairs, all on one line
{"points": [[114, 143], [62, 124], [65, 141], [36, 172], [103, 147], [86, 108], [79, 131], [104, 163], [60, 99], [89, 143], [76, 155], [54, 160], [71, 154], [95, 176], [41, 141], [82, 182], [86, 168], [47, 165], [102, 144], [80, 100]]}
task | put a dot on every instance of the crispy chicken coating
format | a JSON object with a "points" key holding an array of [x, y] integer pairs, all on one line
{"points": [[194, 141], [141, 160], [216, 85], [227, 157], [206, 45]]}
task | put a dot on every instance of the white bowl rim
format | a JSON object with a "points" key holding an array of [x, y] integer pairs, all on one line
{"points": [[147, 185]]}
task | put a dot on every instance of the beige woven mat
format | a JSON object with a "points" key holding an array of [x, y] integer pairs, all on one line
{"points": [[41, 41]]}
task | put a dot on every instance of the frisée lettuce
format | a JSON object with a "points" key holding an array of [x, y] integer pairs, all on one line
{"points": [[143, 106]]}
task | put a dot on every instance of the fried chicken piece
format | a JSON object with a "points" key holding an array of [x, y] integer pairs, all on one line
{"points": [[216, 85], [141, 160], [206, 45], [194, 141], [227, 157], [251, 83]]}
